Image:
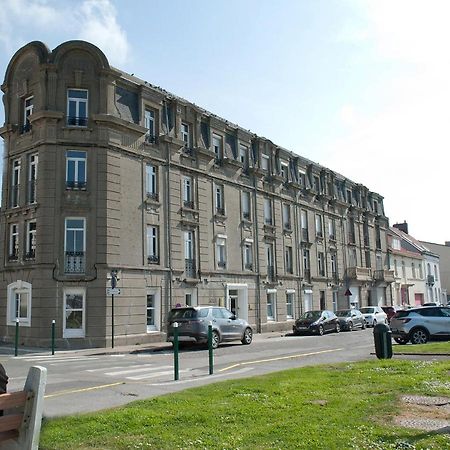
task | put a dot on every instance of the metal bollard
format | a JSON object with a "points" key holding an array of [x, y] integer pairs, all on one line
{"points": [[210, 349], [175, 351], [53, 336], [383, 341], [16, 341]]}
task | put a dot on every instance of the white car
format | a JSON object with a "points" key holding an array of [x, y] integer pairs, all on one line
{"points": [[373, 315]]}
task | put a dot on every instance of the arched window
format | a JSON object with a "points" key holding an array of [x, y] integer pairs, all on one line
{"points": [[19, 303]]}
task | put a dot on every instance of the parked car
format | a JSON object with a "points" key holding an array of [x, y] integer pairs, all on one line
{"points": [[349, 319], [193, 324], [319, 322], [373, 315], [418, 325], [431, 304]]}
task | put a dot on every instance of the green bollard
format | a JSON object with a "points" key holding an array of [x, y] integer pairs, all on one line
{"points": [[16, 342], [175, 351], [53, 336], [210, 349]]}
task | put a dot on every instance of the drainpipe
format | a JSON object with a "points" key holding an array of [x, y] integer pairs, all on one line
{"points": [[258, 273]]}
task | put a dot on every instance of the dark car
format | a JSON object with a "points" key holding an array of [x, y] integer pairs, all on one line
{"points": [[318, 322], [349, 319], [193, 324]]}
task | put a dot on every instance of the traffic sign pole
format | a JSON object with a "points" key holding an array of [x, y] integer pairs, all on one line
{"points": [[112, 320]]}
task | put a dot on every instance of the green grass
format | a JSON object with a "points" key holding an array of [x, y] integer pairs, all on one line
{"points": [[429, 347], [346, 406]]}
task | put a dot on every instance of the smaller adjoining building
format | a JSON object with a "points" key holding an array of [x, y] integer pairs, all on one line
{"points": [[444, 267], [416, 269]]}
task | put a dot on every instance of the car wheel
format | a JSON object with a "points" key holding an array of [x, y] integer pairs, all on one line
{"points": [[248, 336], [321, 330], [350, 326], [419, 336], [401, 341], [374, 322], [338, 327], [215, 339]]}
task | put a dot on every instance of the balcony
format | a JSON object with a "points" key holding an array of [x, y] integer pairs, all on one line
{"points": [[25, 128], [153, 259], [74, 262], [248, 266], [222, 264], [153, 196], [360, 273], [77, 121], [188, 204], [13, 257], [430, 280], [384, 275], [190, 269], [76, 185], [30, 255], [220, 211], [246, 215]]}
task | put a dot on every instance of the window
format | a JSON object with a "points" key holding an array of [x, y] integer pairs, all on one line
{"points": [[413, 270], [221, 252], [153, 308], [367, 256], [151, 178], [378, 236], [322, 300], [149, 119], [334, 271], [15, 183], [77, 107], [13, 242], [75, 245], [436, 273], [30, 249], [284, 170], [366, 233], [265, 163], [75, 170], [321, 264], [395, 268], [301, 178], [420, 270], [289, 305], [189, 254], [219, 199], [317, 184], [287, 217], [27, 111], [19, 303], [32, 177], [306, 265], [351, 231], [319, 227], [217, 142], [332, 229], [270, 260], [352, 257], [246, 205], [304, 225], [190, 297], [188, 195], [288, 260], [152, 244], [185, 135], [268, 211], [74, 317], [248, 255], [271, 305], [243, 155], [379, 261]]}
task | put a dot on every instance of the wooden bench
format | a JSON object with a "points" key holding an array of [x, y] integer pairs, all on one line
{"points": [[20, 424]]}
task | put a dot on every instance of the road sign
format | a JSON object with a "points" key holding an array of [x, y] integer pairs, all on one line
{"points": [[112, 291]]}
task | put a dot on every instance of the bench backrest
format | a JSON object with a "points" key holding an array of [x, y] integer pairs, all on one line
{"points": [[20, 424]]}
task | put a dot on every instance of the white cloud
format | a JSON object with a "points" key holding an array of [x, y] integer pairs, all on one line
{"points": [[93, 20]]}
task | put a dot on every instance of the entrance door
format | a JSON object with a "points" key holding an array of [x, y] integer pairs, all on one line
{"points": [[237, 300], [233, 301], [308, 301], [74, 307]]}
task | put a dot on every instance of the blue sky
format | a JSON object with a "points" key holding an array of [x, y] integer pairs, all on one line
{"points": [[358, 86]]}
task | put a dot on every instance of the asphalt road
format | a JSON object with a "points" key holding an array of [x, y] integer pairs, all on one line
{"points": [[81, 382]]}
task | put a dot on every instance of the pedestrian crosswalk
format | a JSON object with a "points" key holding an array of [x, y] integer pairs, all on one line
{"points": [[101, 366]]}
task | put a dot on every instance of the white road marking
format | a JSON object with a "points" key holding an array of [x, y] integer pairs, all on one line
{"points": [[142, 368]]}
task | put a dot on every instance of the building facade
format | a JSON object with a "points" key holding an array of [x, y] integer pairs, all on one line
{"points": [[444, 267], [104, 171]]}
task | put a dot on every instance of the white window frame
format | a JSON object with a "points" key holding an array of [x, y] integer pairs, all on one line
{"points": [[268, 214], [290, 299], [77, 171], [219, 199], [151, 180], [319, 225], [18, 287], [265, 162], [149, 122], [156, 326], [272, 294], [27, 109], [188, 185], [217, 144], [287, 224], [31, 237], [192, 292], [77, 101], [284, 167], [243, 154], [185, 131], [246, 202], [248, 254], [74, 229], [15, 182], [13, 240], [189, 240], [33, 161], [221, 252], [152, 244], [74, 332]]}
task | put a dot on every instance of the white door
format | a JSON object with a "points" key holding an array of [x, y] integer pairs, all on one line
{"points": [[74, 313], [307, 301]]}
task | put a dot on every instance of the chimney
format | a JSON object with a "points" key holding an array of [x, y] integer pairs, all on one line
{"points": [[402, 226]]}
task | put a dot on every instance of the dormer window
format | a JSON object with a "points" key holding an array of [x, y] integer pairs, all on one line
{"points": [[77, 107], [284, 170], [185, 135], [149, 119], [217, 147], [265, 163], [27, 111]]}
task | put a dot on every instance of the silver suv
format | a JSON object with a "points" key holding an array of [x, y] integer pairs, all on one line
{"points": [[193, 324], [419, 324]]}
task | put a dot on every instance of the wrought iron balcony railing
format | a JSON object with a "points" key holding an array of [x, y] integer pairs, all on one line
{"points": [[153, 259], [151, 138], [77, 121], [190, 268], [76, 185], [74, 262], [25, 128], [188, 204]]}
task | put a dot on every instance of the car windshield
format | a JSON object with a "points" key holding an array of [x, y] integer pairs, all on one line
{"points": [[367, 310], [344, 313], [311, 315]]}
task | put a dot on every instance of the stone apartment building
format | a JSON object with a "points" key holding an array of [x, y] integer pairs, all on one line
{"points": [[444, 267], [103, 171]]}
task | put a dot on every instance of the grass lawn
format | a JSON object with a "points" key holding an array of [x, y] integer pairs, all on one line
{"points": [[429, 347], [345, 406]]}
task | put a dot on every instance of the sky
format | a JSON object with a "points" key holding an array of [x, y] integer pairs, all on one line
{"points": [[361, 87]]}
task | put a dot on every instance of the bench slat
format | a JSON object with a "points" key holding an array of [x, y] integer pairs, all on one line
{"points": [[13, 399], [10, 422], [7, 435]]}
